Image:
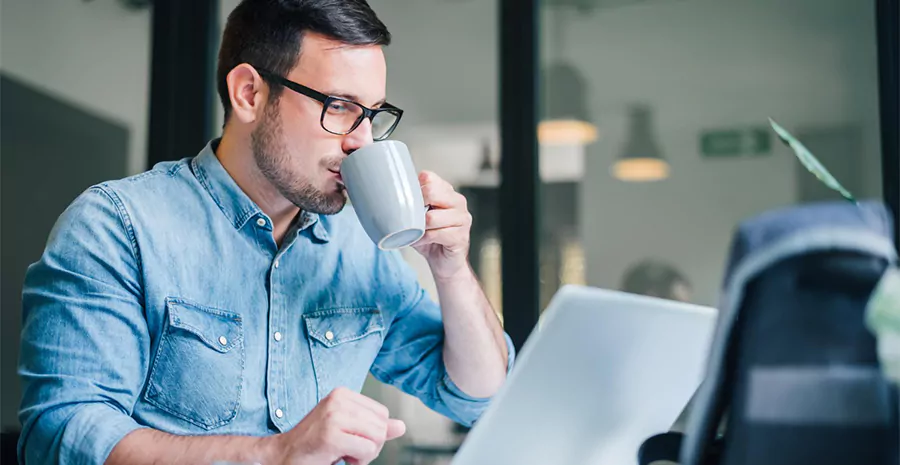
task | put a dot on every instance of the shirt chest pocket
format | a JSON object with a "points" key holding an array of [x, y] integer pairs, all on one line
{"points": [[343, 343], [197, 372]]}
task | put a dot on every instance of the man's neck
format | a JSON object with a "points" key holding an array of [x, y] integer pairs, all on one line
{"points": [[235, 156]]}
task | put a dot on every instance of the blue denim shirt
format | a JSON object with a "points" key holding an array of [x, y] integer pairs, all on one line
{"points": [[163, 301]]}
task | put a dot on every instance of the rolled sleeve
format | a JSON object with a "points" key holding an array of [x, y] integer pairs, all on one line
{"points": [[411, 357], [457, 393], [79, 434], [84, 337]]}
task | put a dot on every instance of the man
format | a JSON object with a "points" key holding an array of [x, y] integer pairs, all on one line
{"points": [[657, 279], [228, 307]]}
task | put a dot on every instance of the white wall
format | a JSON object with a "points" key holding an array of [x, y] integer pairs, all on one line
{"points": [[92, 54]]}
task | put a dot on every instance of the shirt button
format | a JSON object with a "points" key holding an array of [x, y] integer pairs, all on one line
{"points": [[279, 413], [261, 222], [276, 263], [223, 340], [277, 336], [329, 335]]}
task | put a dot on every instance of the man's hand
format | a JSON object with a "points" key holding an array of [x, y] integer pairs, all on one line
{"points": [[446, 242], [344, 426]]}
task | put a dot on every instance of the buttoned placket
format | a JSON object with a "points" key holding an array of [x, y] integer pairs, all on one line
{"points": [[276, 384]]}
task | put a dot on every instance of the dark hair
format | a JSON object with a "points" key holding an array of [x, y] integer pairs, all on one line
{"points": [[653, 278], [267, 34]]}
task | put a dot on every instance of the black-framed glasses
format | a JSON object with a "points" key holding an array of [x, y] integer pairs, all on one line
{"points": [[341, 116]]}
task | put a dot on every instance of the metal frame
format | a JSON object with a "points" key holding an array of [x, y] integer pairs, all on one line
{"points": [[520, 181], [182, 80], [887, 18]]}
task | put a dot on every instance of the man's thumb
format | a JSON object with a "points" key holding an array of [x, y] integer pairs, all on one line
{"points": [[395, 429]]}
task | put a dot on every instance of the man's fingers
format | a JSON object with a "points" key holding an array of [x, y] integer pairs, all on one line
{"points": [[365, 423], [357, 450], [446, 218], [365, 418], [439, 193], [395, 429], [450, 238], [369, 404]]}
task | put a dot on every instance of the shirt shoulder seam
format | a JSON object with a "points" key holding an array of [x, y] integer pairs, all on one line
{"points": [[124, 219]]}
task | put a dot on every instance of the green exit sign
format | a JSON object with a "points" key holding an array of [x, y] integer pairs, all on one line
{"points": [[735, 142]]}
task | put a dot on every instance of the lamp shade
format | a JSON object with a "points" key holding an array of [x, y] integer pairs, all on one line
{"points": [[640, 160], [565, 117], [487, 172]]}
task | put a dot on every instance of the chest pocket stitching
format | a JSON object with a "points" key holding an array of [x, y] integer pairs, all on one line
{"points": [[177, 322], [319, 323], [191, 321], [368, 320]]}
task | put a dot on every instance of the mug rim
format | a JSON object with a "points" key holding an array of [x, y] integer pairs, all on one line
{"points": [[362, 150], [380, 142], [385, 238]]}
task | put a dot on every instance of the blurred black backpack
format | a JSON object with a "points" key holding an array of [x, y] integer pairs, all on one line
{"points": [[793, 375]]}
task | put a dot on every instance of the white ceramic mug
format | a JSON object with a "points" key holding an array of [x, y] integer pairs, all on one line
{"points": [[384, 189]]}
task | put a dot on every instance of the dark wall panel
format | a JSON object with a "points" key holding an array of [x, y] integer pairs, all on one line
{"points": [[52, 151]]}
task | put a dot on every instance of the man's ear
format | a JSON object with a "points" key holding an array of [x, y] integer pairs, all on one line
{"points": [[247, 92]]}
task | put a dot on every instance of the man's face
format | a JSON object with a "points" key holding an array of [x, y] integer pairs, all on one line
{"points": [[681, 292], [291, 148]]}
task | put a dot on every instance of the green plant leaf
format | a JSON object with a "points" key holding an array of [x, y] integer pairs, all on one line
{"points": [[809, 161]]}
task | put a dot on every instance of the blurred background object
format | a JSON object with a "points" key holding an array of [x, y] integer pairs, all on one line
{"points": [[657, 279]]}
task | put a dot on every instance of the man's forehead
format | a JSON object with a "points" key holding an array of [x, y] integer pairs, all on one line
{"points": [[334, 67]]}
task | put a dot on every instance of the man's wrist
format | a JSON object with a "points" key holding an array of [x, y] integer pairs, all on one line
{"points": [[268, 450], [463, 274]]}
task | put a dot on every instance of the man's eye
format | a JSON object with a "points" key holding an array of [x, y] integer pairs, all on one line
{"points": [[337, 107]]}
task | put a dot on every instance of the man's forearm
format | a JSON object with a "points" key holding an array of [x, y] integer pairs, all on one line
{"points": [[475, 351], [151, 447]]}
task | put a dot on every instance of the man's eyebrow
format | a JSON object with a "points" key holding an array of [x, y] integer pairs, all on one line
{"points": [[354, 98]]}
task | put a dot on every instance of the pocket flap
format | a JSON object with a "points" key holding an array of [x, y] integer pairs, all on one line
{"points": [[337, 326], [218, 329]]}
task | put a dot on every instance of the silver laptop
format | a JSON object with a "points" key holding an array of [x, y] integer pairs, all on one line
{"points": [[603, 371]]}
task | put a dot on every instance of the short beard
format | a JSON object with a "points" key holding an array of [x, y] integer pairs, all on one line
{"points": [[274, 161]]}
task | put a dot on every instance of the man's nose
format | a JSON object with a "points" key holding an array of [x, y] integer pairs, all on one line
{"points": [[360, 137]]}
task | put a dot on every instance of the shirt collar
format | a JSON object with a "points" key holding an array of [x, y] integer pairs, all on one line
{"points": [[315, 221], [233, 202]]}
